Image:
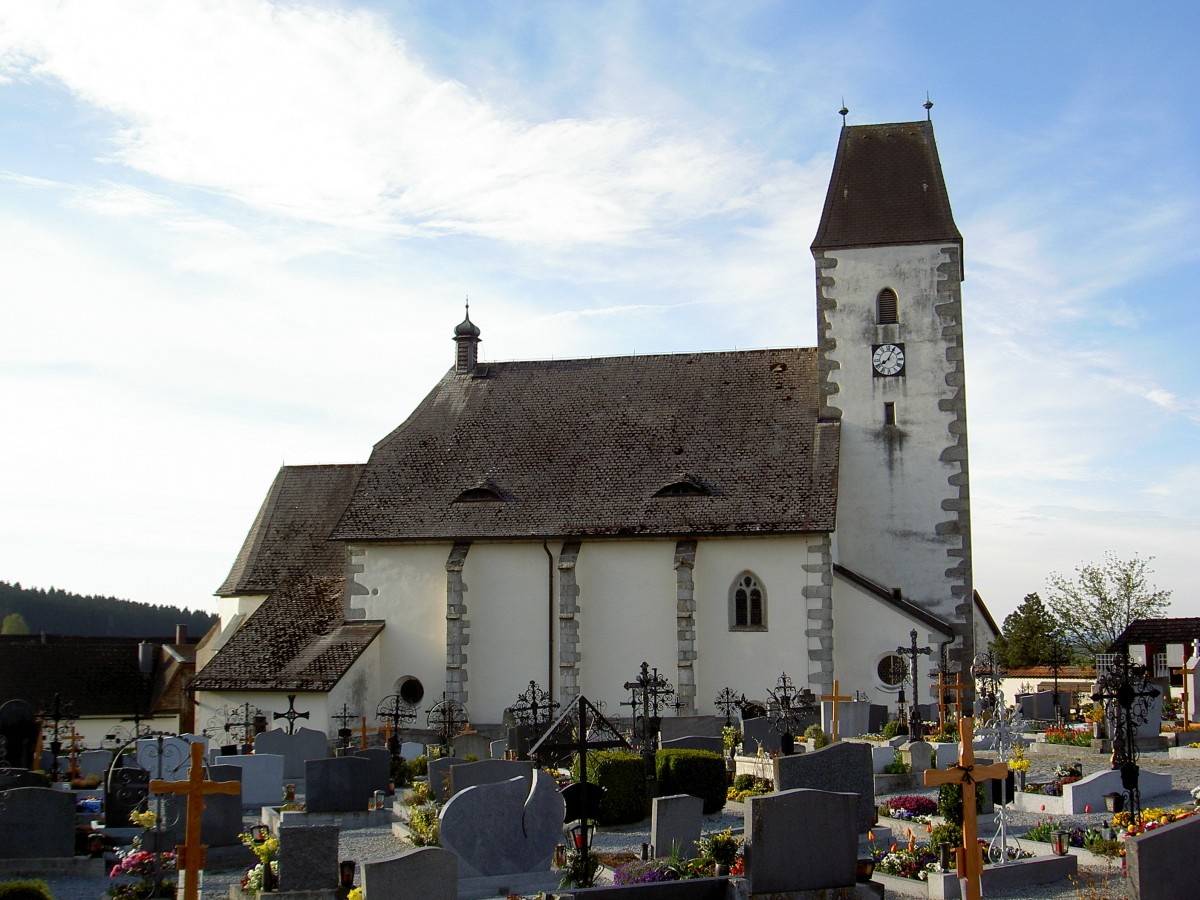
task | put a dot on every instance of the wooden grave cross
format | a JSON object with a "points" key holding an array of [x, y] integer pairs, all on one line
{"points": [[835, 699], [942, 688], [966, 773], [191, 856]]}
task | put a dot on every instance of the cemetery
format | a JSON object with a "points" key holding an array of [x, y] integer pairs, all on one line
{"points": [[577, 803]]}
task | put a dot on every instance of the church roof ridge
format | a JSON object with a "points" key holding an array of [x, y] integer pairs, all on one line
{"points": [[580, 446]]}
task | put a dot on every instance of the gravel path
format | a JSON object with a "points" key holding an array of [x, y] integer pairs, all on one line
{"points": [[374, 844]]}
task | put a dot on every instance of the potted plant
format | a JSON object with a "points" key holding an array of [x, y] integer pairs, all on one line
{"points": [[722, 848], [1095, 715]]}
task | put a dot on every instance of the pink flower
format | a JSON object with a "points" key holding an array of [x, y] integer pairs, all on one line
{"points": [[1043, 807], [1087, 808]]}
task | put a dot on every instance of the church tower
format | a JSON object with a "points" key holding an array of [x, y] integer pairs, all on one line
{"points": [[889, 339]]}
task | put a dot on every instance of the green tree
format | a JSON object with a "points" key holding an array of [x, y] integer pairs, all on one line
{"points": [[1028, 636], [14, 623], [1098, 604]]}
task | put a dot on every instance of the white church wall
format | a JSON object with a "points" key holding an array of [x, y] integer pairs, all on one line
{"points": [[891, 482], [211, 707], [359, 691], [750, 662], [405, 585], [627, 601], [867, 629]]}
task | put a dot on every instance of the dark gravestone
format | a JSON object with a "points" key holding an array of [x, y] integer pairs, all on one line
{"points": [[1156, 860], [582, 800], [674, 727], [380, 774], [296, 749], [37, 823], [439, 776], [221, 818], [801, 840], [22, 778], [696, 742], [19, 728], [843, 768], [308, 858], [341, 784], [877, 717], [756, 732], [126, 791], [520, 739], [489, 771]]}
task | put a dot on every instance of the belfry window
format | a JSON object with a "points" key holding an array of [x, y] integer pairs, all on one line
{"points": [[887, 307], [747, 604]]}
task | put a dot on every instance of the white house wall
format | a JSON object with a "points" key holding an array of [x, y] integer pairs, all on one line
{"points": [[210, 704]]}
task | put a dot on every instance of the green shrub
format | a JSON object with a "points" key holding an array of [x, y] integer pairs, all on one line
{"points": [[623, 776], [25, 890], [897, 766], [418, 766], [700, 773], [950, 805], [946, 834], [423, 826], [743, 782], [816, 736]]}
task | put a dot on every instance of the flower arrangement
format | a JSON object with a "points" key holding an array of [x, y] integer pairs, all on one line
{"points": [[1095, 714], [144, 820], [1152, 817], [910, 807], [423, 826], [720, 847], [579, 869], [265, 875], [253, 882], [355, 894], [1069, 736], [137, 863], [906, 862], [1019, 762]]}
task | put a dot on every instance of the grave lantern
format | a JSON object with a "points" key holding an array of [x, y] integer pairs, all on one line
{"points": [[1061, 843]]}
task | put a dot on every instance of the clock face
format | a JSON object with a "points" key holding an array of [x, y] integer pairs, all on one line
{"points": [[888, 359]]}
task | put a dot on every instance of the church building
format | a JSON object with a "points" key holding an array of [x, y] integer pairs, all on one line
{"points": [[726, 517]]}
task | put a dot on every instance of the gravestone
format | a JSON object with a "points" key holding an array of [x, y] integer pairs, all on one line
{"points": [[497, 749], [22, 778], [296, 749], [126, 791], [430, 873], [877, 717], [1040, 705], [221, 818], [410, 750], [1151, 727], [175, 757], [308, 858], [19, 728], [439, 776], [503, 829], [683, 726], [675, 825], [696, 742], [521, 738], [759, 731], [488, 771], [801, 840], [262, 777], [844, 767], [1155, 861], [93, 762], [581, 801], [37, 823], [339, 784], [918, 755], [854, 718], [380, 773]]}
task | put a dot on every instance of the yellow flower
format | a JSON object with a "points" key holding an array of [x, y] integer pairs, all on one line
{"points": [[355, 894]]}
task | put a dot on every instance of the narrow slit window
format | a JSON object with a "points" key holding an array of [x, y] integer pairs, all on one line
{"points": [[887, 307], [889, 413]]}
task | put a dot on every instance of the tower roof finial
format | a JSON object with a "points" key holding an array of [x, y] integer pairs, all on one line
{"points": [[928, 104], [843, 112]]}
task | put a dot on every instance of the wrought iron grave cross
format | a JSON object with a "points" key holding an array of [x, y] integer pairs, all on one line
{"points": [[913, 652], [291, 715]]}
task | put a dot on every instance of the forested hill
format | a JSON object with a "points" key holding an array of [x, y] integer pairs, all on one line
{"points": [[60, 612]]}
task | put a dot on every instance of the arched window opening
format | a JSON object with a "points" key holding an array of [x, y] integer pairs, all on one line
{"points": [[747, 604], [887, 307]]}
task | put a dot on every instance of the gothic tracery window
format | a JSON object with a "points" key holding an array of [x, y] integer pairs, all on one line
{"points": [[747, 604]]}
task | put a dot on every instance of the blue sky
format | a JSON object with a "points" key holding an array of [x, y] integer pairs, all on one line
{"points": [[238, 234]]}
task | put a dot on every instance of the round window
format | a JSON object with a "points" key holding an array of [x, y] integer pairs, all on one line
{"points": [[891, 671]]}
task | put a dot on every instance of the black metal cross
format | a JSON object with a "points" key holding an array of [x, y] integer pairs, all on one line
{"points": [[345, 717], [396, 710], [534, 707], [988, 674], [1126, 696], [727, 701], [913, 652], [449, 718], [579, 729], [787, 707], [1057, 658], [291, 715], [58, 712], [651, 692]]}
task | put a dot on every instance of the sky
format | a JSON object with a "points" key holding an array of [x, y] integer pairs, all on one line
{"points": [[238, 235]]}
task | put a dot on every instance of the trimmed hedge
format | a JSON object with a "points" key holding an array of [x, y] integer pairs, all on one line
{"points": [[700, 773], [25, 890], [623, 776]]}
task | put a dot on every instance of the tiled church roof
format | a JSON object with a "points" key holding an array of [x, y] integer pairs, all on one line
{"points": [[296, 641], [290, 535], [887, 188], [580, 447]]}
